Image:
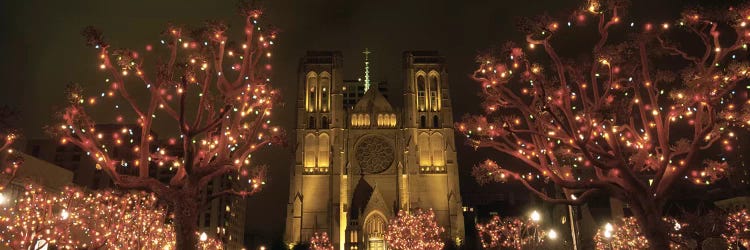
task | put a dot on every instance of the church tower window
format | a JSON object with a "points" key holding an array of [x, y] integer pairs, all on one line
{"points": [[324, 122], [311, 147], [437, 146], [422, 122], [325, 92], [434, 92], [421, 93], [435, 122], [324, 152], [311, 123], [386, 120], [312, 85], [431, 152], [423, 143]]}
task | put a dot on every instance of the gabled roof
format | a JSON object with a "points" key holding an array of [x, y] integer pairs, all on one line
{"points": [[360, 197], [373, 102]]}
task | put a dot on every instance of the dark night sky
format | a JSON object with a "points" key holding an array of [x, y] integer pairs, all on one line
{"points": [[42, 51]]}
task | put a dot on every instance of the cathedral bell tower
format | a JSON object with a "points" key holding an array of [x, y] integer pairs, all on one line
{"points": [[320, 119], [432, 166]]}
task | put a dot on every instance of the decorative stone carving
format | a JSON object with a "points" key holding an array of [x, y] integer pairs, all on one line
{"points": [[374, 154]]}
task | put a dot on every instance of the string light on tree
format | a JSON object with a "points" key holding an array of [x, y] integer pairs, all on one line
{"points": [[597, 122], [217, 95], [414, 230], [10, 160], [512, 232], [35, 219], [72, 219], [320, 241], [626, 234], [738, 229]]}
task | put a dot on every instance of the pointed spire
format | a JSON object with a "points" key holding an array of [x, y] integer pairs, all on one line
{"points": [[367, 69]]}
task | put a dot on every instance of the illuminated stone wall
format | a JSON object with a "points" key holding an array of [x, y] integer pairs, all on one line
{"points": [[356, 167]]}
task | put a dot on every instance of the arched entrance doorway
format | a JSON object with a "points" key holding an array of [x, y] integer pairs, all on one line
{"points": [[374, 231]]}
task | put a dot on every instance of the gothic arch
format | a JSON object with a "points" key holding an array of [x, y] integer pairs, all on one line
{"points": [[310, 149], [311, 122], [434, 90], [324, 123], [355, 120], [297, 205], [375, 226], [324, 150], [420, 81], [437, 146], [375, 221], [296, 216], [324, 91], [311, 85], [423, 144]]}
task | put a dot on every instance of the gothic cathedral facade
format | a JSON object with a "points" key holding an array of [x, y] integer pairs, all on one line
{"points": [[358, 165]]}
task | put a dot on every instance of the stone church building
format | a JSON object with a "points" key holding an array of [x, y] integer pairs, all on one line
{"points": [[357, 166]]}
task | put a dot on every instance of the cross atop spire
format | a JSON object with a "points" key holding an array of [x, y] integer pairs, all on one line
{"points": [[367, 68]]}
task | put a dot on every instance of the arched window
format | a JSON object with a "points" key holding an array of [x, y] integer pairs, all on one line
{"points": [[435, 122], [325, 91], [311, 147], [423, 143], [312, 85], [434, 89], [381, 122], [367, 120], [311, 123], [422, 122], [393, 120], [437, 146], [421, 93], [324, 122], [324, 151]]}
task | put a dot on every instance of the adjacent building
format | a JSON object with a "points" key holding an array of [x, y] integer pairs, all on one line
{"points": [[34, 170]]}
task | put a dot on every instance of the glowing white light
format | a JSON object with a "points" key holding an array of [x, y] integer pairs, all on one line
{"points": [[535, 216], [552, 234], [64, 214]]}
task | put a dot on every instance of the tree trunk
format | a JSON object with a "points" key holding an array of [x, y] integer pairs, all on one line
{"points": [[652, 226], [185, 220]]}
